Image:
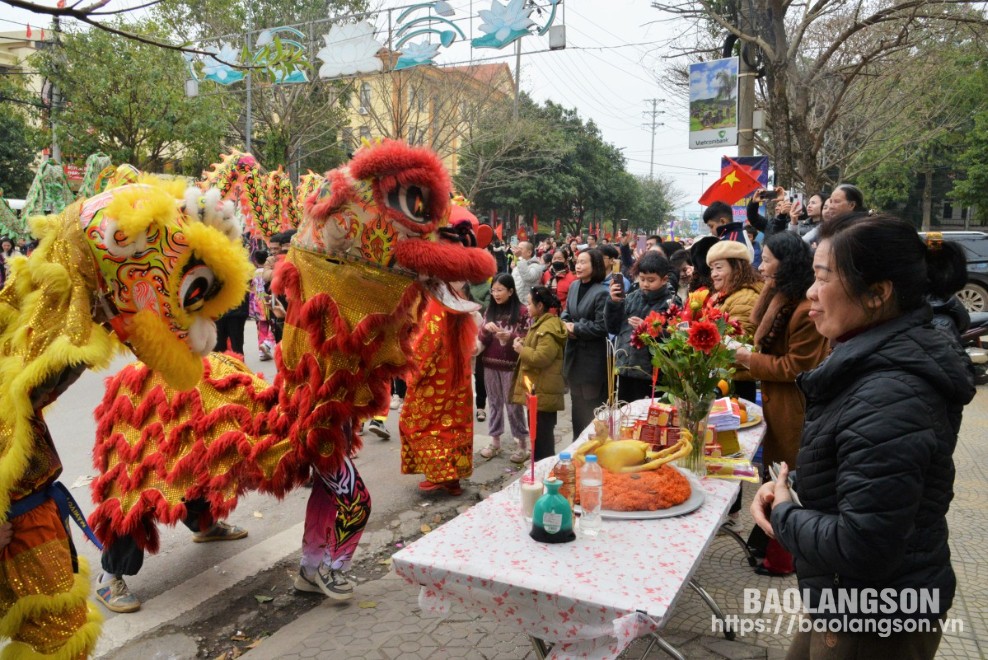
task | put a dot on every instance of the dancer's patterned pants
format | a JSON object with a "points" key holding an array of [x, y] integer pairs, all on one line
{"points": [[335, 517]]}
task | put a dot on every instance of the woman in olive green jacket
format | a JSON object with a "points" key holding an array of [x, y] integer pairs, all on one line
{"points": [[540, 360]]}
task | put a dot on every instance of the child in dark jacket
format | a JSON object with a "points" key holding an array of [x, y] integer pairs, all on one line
{"points": [[623, 314]]}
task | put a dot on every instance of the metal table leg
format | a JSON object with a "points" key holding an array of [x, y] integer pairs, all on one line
{"points": [[541, 648], [665, 646], [752, 560], [728, 633]]}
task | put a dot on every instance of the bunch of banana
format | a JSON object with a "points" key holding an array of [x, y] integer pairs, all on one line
{"points": [[622, 456]]}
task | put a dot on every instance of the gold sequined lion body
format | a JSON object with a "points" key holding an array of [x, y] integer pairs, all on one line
{"points": [[147, 266]]}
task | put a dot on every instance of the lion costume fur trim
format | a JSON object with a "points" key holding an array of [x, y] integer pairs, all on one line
{"points": [[56, 282]]}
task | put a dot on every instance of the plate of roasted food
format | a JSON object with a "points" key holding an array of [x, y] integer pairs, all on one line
{"points": [[639, 482]]}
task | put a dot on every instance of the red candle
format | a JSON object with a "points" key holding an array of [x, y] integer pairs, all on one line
{"points": [[533, 410]]}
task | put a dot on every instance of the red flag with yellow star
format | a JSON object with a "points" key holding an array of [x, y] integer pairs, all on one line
{"points": [[735, 183]]}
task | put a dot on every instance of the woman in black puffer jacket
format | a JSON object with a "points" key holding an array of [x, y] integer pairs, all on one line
{"points": [[875, 468]]}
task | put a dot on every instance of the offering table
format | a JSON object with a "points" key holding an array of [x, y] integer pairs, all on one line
{"points": [[590, 598]]}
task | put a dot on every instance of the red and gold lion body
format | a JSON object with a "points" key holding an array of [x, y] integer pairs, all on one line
{"points": [[374, 245]]}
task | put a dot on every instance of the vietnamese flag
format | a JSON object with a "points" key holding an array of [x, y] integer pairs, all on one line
{"points": [[522, 234], [499, 232], [559, 226], [736, 183], [535, 223], [28, 31]]}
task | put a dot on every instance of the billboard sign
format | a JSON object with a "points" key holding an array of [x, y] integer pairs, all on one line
{"points": [[714, 103]]}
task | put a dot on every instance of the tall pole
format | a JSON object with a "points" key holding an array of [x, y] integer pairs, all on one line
{"points": [[517, 74], [746, 92], [247, 122], [54, 101], [653, 125]]}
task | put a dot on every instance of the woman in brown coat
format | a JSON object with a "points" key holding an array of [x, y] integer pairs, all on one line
{"points": [[786, 344]]}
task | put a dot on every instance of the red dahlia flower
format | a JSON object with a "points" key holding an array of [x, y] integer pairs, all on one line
{"points": [[703, 336]]}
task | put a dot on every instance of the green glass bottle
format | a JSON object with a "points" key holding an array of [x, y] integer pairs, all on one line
{"points": [[552, 520]]}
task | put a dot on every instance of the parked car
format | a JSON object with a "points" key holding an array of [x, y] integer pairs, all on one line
{"points": [[974, 295]]}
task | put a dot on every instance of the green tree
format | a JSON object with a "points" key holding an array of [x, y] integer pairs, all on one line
{"points": [[910, 168], [18, 140], [133, 105], [822, 64], [656, 200], [552, 164], [298, 126]]}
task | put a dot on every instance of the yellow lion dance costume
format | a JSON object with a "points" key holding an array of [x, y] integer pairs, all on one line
{"points": [[146, 265]]}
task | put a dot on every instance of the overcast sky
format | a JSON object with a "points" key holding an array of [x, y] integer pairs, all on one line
{"points": [[606, 73]]}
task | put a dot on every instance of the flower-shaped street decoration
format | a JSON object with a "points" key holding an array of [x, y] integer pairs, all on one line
{"points": [[350, 49], [280, 51], [503, 24], [216, 67], [416, 54]]}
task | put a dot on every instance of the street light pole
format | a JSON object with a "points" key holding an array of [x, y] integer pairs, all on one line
{"points": [[55, 101], [702, 176], [517, 76], [247, 122]]}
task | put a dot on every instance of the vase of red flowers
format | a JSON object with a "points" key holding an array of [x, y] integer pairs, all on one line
{"points": [[693, 416], [687, 348]]}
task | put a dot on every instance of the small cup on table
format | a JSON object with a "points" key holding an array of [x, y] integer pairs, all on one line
{"points": [[531, 491]]}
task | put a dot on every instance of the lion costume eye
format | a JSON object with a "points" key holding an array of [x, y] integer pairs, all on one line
{"points": [[198, 285], [410, 201]]}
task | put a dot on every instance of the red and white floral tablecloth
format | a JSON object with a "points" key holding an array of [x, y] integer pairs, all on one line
{"points": [[591, 597]]}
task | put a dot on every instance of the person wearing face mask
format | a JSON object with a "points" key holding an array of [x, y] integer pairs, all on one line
{"points": [[558, 278], [875, 469], [623, 315], [786, 344]]}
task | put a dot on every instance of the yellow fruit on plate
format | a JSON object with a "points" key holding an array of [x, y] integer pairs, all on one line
{"points": [[724, 387]]}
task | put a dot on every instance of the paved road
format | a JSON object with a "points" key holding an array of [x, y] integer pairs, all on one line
{"points": [[167, 578], [185, 575]]}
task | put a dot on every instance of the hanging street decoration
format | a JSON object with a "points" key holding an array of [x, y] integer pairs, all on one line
{"points": [[395, 39]]}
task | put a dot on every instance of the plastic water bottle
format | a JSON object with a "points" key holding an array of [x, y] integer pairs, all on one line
{"points": [[565, 471], [591, 497]]}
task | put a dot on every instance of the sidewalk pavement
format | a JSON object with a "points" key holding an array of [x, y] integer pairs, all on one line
{"points": [[383, 619]]}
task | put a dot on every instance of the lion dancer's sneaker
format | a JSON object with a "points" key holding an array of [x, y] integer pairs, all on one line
{"points": [[339, 504], [113, 592]]}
